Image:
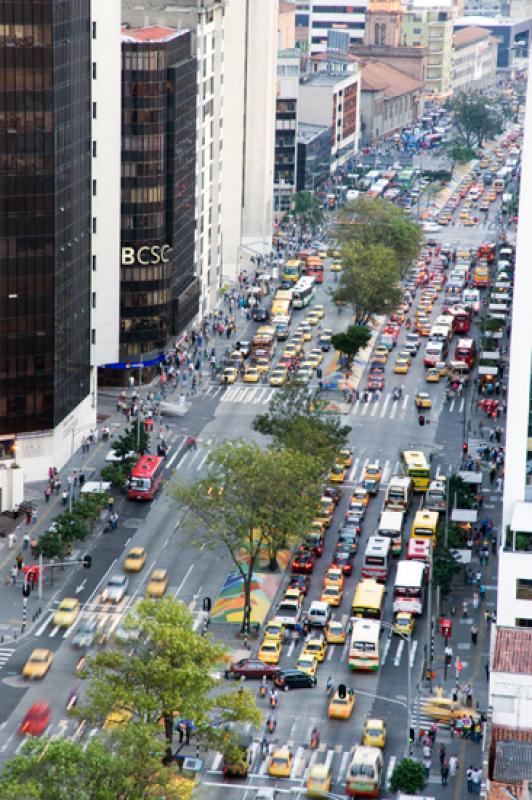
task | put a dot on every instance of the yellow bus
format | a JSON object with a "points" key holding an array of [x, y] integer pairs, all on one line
{"points": [[292, 270], [417, 467], [282, 302], [364, 647], [425, 525], [368, 600]]}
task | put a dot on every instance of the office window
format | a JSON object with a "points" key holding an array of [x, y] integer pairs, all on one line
{"points": [[523, 589], [94, 70], [523, 622], [93, 336], [94, 263], [94, 188], [94, 149], [94, 30], [94, 299], [94, 224], [94, 110]]}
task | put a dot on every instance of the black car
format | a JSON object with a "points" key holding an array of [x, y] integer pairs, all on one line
{"points": [[348, 540], [301, 582], [294, 679], [334, 492], [260, 314]]}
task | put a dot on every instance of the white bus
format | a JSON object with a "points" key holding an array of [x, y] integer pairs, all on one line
{"points": [[409, 587], [364, 648], [398, 493], [391, 526], [365, 773], [303, 292], [377, 558]]}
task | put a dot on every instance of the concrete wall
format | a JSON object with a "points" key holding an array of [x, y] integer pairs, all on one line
{"points": [[511, 699], [11, 487]]}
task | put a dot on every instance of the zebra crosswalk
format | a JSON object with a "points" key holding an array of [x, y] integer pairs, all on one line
{"points": [[5, 655], [256, 394]]}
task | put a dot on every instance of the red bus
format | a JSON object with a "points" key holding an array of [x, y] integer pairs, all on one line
{"points": [[146, 478], [461, 319], [420, 550], [314, 267], [465, 351]]}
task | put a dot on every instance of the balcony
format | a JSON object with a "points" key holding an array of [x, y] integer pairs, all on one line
{"points": [[518, 535]]}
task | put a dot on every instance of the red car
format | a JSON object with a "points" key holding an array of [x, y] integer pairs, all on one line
{"points": [[251, 668], [36, 720], [303, 562], [376, 382]]}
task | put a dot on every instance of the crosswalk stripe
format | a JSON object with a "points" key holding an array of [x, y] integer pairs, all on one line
{"points": [[375, 404], [217, 762], [385, 471], [343, 767], [393, 412], [413, 648], [398, 652], [385, 406], [299, 763], [365, 408], [389, 771], [353, 469], [405, 402], [451, 405], [263, 768]]}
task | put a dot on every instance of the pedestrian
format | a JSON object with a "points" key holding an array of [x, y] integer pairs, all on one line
{"points": [[453, 765], [181, 729], [469, 776], [427, 752], [25, 541], [20, 561], [499, 484], [110, 504], [476, 600], [469, 695], [64, 497], [475, 780], [14, 573], [81, 477], [47, 493], [465, 607], [427, 764], [444, 773], [474, 634], [442, 754], [492, 473]]}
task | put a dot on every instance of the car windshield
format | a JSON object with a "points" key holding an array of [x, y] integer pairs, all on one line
{"points": [[374, 732], [39, 658], [140, 483], [365, 770], [116, 581]]}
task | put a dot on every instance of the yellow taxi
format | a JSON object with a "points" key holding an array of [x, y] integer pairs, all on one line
{"points": [[313, 360], [444, 709], [307, 663], [251, 375], [319, 311], [263, 365], [292, 349], [312, 319], [117, 719], [305, 331], [336, 633], [361, 495], [374, 734], [278, 376], [345, 456], [342, 707], [67, 612], [337, 474], [158, 583], [464, 214], [403, 623], [423, 327], [317, 647], [373, 472], [38, 663], [332, 595], [317, 526], [401, 366], [307, 364], [334, 577], [229, 375], [270, 651], [469, 221], [293, 593], [319, 781], [316, 354], [274, 630], [423, 400], [432, 375], [336, 266], [281, 761], [381, 351], [135, 559]]}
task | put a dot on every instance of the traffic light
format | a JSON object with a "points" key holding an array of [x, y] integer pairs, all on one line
{"points": [[465, 448], [421, 419], [26, 589], [206, 604], [87, 561], [411, 735], [342, 691]]}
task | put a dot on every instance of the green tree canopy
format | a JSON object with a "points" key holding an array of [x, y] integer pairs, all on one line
{"points": [[127, 443], [407, 777], [297, 420], [475, 118], [307, 208], [368, 221], [351, 341], [168, 676], [457, 151], [369, 281], [444, 568], [251, 499]]}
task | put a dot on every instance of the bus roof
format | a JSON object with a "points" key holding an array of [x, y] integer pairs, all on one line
{"points": [[377, 545], [146, 466], [368, 592], [365, 628], [423, 515], [409, 573], [419, 548], [415, 458], [400, 480]]}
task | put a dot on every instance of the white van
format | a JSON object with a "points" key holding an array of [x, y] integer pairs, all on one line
{"points": [[319, 613]]}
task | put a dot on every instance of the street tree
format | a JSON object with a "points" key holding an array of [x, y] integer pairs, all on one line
{"points": [[133, 441], [251, 500], [89, 507], [407, 777], [59, 769], [457, 151], [461, 494], [298, 421], [351, 341], [167, 677], [444, 568], [373, 221], [307, 208], [369, 281], [476, 120]]}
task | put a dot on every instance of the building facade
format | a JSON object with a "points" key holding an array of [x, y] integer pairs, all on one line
{"points": [[513, 36], [389, 100], [474, 59], [159, 290], [52, 55], [286, 26], [315, 18], [286, 130], [430, 26], [313, 156]]}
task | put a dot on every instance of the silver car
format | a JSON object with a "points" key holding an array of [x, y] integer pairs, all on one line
{"points": [[116, 588]]}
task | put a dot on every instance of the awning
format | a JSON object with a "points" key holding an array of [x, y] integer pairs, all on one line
{"points": [[464, 515], [462, 556], [95, 487], [471, 478], [488, 371], [522, 518], [490, 355]]}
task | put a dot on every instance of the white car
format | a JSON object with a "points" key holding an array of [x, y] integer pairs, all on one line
{"points": [[116, 588], [431, 227]]}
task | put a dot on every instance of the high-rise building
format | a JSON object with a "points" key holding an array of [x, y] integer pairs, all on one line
{"points": [[159, 291], [428, 24], [54, 53], [286, 129], [315, 18]]}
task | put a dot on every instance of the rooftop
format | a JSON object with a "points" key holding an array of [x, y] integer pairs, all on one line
{"points": [[150, 33], [513, 762], [307, 131], [513, 651], [327, 78], [487, 22], [380, 77], [469, 35]]}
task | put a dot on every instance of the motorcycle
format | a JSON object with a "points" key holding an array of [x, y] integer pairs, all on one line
{"points": [[314, 739], [72, 698]]}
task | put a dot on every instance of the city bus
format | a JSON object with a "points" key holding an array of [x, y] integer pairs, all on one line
{"points": [[425, 525], [314, 267], [368, 600], [303, 292], [406, 178], [398, 493], [465, 350], [292, 270], [146, 478], [420, 550], [409, 587], [391, 526], [282, 303], [377, 558], [365, 772], [461, 319], [364, 646], [417, 467]]}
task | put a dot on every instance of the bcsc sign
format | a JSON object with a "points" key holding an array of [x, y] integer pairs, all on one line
{"points": [[146, 255]]}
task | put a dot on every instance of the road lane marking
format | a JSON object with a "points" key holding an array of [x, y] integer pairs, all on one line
{"points": [[45, 624], [389, 771], [385, 406], [365, 464], [189, 570], [252, 394], [343, 767], [299, 763], [398, 652], [385, 471], [365, 409], [330, 652], [451, 405], [353, 469], [413, 648], [216, 763], [393, 412], [375, 404], [462, 402], [385, 649], [202, 462], [405, 402]]}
